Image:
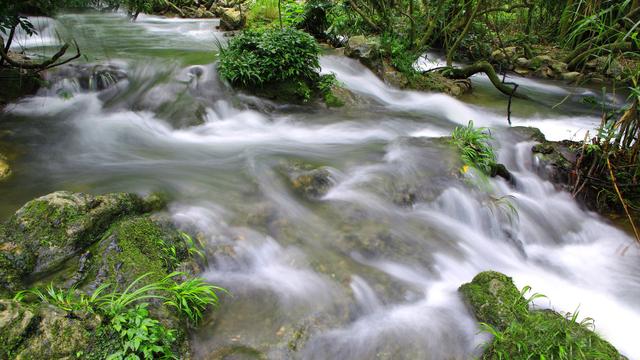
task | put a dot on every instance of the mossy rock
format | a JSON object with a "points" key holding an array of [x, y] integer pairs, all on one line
{"points": [[520, 333], [494, 299], [133, 247], [43, 332], [49, 230]]}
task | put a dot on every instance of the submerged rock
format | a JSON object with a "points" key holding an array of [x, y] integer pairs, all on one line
{"points": [[495, 301], [308, 180]]}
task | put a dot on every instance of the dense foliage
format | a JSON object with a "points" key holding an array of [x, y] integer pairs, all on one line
{"points": [[126, 312], [256, 58]]}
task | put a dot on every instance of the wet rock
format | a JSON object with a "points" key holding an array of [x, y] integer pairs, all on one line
{"points": [[545, 72], [606, 66], [495, 300], [367, 51], [232, 19], [558, 67], [540, 60], [307, 180], [134, 246], [339, 96], [557, 160], [523, 62], [5, 169], [522, 71], [49, 230], [572, 76], [44, 332], [526, 133], [505, 54]]}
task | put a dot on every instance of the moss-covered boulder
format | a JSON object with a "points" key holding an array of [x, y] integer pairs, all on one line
{"points": [[135, 246], [494, 299], [43, 332], [521, 333], [51, 229]]}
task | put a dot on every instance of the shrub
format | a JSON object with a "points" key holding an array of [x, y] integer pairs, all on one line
{"points": [[256, 58]]}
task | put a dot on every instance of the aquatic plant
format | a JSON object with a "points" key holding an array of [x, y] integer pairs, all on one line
{"points": [[473, 145]]}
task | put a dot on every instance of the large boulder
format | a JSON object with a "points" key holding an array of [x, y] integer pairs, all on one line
{"points": [[495, 301], [15, 84], [367, 51], [49, 230], [232, 19]]}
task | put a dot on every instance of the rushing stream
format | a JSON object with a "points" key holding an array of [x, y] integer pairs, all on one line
{"points": [[357, 274]]}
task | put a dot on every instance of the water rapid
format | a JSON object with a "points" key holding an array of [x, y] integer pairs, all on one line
{"points": [[358, 273]]}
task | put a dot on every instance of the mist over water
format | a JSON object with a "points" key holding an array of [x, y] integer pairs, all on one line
{"points": [[356, 274]]}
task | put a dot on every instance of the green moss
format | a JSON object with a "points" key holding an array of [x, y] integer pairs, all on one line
{"points": [[494, 299], [135, 246], [332, 100], [519, 333]]}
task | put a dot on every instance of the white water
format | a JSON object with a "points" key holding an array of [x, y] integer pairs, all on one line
{"points": [[362, 275]]}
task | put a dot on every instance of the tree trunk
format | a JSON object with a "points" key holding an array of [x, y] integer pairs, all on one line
{"points": [[464, 32], [483, 67]]}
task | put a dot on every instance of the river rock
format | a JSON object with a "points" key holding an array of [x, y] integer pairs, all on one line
{"points": [[367, 51], [43, 332], [53, 228], [232, 19], [522, 71], [523, 62], [5, 169], [540, 60], [134, 246], [308, 180], [504, 54], [495, 300], [605, 66], [571, 76]]}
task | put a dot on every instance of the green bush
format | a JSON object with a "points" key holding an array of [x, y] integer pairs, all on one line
{"points": [[254, 59]]}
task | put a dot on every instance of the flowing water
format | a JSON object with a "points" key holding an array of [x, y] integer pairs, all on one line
{"points": [[360, 273]]}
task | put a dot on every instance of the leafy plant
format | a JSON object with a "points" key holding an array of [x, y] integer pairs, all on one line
{"points": [[127, 312], [473, 145], [256, 58], [142, 335], [190, 297]]}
